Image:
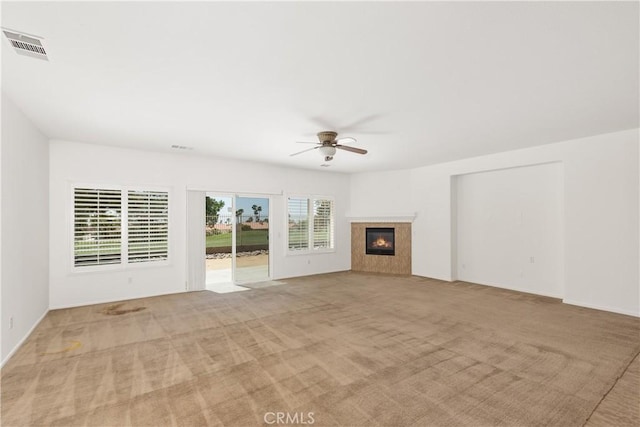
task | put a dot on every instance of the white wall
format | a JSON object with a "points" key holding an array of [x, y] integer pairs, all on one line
{"points": [[382, 193], [509, 228], [25, 227], [600, 215], [73, 163]]}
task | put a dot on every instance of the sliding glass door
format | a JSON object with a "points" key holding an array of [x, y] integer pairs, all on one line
{"points": [[251, 240]]}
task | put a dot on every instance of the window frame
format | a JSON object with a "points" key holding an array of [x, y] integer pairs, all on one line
{"points": [[310, 219], [124, 263]]}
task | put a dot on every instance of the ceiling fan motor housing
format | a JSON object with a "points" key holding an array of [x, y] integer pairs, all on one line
{"points": [[327, 136], [328, 145]]}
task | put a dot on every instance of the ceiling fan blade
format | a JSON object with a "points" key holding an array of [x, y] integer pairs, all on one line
{"points": [[347, 139], [357, 124], [304, 151], [352, 149], [322, 122]]}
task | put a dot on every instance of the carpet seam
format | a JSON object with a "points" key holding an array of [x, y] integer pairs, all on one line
{"points": [[611, 388]]}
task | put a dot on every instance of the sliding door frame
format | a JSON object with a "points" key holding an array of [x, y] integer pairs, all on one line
{"points": [[235, 234]]}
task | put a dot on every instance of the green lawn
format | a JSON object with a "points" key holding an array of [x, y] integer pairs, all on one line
{"points": [[92, 247], [250, 237], [110, 246]]}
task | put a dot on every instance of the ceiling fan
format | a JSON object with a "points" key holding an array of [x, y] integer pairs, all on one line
{"points": [[328, 144]]}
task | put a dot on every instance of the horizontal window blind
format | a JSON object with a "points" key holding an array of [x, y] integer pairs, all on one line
{"points": [[322, 224], [311, 224], [148, 226], [97, 226], [298, 210]]}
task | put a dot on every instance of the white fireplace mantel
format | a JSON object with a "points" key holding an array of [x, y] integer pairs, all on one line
{"points": [[406, 217]]}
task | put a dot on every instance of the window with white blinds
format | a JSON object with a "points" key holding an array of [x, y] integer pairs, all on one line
{"points": [[298, 224], [116, 226], [322, 224], [97, 226], [311, 224], [148, 225]]}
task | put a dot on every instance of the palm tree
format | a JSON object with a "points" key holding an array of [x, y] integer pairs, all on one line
{"points": [[256, 211], [239, 213]]}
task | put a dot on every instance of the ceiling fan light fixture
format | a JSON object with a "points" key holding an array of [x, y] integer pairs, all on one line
{"points": [[328, 145], [327, 150]]}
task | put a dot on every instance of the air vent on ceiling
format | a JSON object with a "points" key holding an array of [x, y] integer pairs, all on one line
{"points": [[26, 45]]}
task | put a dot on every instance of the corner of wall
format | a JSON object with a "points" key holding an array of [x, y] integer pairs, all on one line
{"points": [[24, 180]]}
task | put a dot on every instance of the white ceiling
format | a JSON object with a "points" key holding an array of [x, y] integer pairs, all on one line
{"points": [[416, 83]]}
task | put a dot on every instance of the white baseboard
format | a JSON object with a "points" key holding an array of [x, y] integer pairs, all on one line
{"points": [[564, 300], [601, 307], [12, 352], [531, 291], [111, 300]]}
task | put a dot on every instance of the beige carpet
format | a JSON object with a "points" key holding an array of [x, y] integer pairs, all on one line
{"points": [[352, 349], [621, 406]]}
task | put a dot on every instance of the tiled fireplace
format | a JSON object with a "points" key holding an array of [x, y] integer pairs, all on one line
{"points": [[381, 247]]}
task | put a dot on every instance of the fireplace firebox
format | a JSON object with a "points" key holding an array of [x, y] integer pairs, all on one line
{"points": [[380, 241]]}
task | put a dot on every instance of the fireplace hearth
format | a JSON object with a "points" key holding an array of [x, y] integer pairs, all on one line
{"points": [[380, 241]]}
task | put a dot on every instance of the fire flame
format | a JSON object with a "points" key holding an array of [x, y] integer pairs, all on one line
{"points": [[380, 242]]}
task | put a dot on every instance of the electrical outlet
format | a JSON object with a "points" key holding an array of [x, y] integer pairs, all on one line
{"points": [[11, 322], [130, 281], [309, 261], [532, 260]]}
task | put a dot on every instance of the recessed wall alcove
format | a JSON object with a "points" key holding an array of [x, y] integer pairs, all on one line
{"points": [[399, 263]]}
